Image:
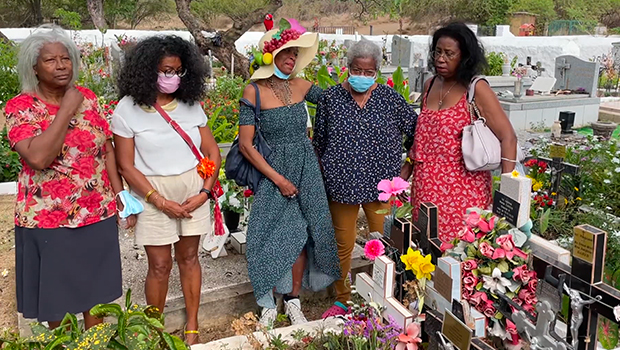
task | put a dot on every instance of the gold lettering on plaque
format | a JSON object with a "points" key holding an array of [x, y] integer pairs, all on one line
{"points": [[583, 245]]}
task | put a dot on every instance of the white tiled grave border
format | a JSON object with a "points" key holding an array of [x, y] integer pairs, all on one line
{"points": [[241, 342], [8, 188]]}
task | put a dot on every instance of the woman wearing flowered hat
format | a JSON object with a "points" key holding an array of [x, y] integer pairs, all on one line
{"points": [[290, 234]]}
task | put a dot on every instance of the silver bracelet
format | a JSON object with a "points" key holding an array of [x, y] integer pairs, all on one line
{"points": [[509, 160]]}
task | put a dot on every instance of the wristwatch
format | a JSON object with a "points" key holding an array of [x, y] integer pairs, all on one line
{"points": [[208, 192]]}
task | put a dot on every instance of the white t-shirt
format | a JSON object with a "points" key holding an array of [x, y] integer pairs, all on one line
{"points": [[159, 150]]}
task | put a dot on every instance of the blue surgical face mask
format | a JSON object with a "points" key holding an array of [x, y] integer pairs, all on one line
{"points": [[361, 83], [278, 73], [131, 206]]}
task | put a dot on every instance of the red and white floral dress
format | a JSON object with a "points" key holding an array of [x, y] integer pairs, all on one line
{"points": [[440, 176], [75, 190]]}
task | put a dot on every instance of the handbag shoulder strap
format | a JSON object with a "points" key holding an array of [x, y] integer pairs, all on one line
{"points": [[471, 92], [177, 128], [256, 104]]}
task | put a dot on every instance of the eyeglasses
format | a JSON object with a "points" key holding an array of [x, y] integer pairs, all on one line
{"points": [[171, 73], [447, 55], [366, 73]]}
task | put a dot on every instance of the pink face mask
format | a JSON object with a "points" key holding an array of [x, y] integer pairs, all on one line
{"points": [[168, 85]]}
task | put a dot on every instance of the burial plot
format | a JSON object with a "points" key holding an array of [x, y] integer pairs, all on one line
{"points": [[558, 167], [575, 74], [585, 277]]}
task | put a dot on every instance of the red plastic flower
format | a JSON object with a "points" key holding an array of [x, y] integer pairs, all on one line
{"points": [[247, 193]]}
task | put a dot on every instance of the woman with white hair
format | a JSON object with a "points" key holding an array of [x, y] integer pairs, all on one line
{"points": [[359, 130], [67, 256]]}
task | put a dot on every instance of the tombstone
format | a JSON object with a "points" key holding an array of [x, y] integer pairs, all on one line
{"points": [[585, 276], [615, 54], [380, 289], [503, 30], [402, 51], [512, 201], [473, 28], [575, 74]]}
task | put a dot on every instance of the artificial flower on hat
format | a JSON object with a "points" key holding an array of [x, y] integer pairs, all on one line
{"points": [[289, 34]]}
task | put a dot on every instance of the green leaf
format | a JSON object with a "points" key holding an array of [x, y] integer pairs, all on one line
{"points": [[115, 345], [499, 315], [503, 266], [382, 211], [475, 273], [479, 285], [173, 342], [544, 221], [122, 326], [106, 309], [607, 333], [343, 76], [57, 342], [398, 77], [155, 323], [98, 337], [510, 294], [485, 270], [128, 299], [284, 24]]}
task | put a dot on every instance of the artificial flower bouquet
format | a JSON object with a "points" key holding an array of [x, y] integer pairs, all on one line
{"points": [[235, 198], [491, 263], [396, 193]]}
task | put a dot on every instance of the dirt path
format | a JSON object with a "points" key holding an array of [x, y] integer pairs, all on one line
{"points": [[8, 306]]}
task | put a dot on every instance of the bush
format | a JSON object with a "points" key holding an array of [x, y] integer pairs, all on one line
{"points": [[11, 166], [496, 61], [222, 108], [8, 72]]}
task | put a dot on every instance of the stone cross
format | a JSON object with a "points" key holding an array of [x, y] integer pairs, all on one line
{"points": [[538, 334], [563, 67], [380, 289]]}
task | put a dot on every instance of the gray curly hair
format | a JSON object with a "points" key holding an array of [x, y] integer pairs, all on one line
{"points": [[30, 49], [365, 49]]}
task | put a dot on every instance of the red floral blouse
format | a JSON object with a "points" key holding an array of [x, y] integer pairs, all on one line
{"points": [[74, 190]]}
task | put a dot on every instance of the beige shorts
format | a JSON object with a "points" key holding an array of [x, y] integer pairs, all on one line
{"points": [[156, 228]]}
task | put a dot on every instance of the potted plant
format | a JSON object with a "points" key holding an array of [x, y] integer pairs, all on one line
{"points": [[232, 203]]}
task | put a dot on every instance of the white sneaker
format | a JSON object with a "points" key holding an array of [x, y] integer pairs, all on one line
{"points": [[292, 309], [268, 317]]}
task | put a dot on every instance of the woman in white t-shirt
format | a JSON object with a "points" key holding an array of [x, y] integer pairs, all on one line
{"points": [[159, 165]]}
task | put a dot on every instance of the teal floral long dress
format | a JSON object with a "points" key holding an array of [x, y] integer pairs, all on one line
{"points": [[279, 228]]}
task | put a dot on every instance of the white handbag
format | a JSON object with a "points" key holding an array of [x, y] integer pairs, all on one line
{"points": [[482, 150]]}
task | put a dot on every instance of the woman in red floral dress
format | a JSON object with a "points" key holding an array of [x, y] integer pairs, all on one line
{"points": [[67, 256], [440, 176]]}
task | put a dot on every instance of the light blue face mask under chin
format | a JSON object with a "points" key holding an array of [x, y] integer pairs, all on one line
{"points": [[278, 73], [131, 206]]}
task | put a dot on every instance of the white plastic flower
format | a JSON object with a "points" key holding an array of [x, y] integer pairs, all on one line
{"points": [[607, 181], [234, 202], [617, 169], [615, 160], [617, 312], [496, 282]]}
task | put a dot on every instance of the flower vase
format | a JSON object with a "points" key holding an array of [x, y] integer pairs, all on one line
{"points": [[231, 219], [518, 92], [506, 70]]}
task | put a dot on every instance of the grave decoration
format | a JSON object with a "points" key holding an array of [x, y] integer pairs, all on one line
{"points": [[555, 162], [576, 75], [583, 282], [397, 227]]}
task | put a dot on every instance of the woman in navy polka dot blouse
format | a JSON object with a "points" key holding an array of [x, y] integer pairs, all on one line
{"points": [[358, 136]]}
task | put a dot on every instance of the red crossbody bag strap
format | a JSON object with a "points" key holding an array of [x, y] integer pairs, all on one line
{"points": [[179, 131]]}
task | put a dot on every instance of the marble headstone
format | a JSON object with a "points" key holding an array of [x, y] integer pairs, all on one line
{"points": [[402, 51], [573, 73], [518, 188]]}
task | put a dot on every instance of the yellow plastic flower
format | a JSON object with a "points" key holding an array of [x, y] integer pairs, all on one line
{"points": [[565, 201], [578, 198], [515, 173], [536, 185], [576, 189], [554, 194], [425, 268], [411, 259]]}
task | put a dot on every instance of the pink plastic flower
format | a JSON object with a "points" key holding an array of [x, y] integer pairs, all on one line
{"points": [[467, 235], [446, 246], [486, 250], [499, 253], [518, 272], [470, 281], [511, 328], [472, 219], [389, 188], [469, 265], [486, 226], [410, 339], [479, 298], [506, 242], [374, 249]]}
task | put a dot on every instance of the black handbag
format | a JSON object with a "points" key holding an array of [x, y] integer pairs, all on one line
{"points": [[237, 167]]}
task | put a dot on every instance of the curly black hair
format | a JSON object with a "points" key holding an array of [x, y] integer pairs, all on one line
{"points": [[138, 77], [473, 61]]}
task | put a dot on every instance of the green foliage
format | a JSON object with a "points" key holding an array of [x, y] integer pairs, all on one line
{"points": [[69, 19], [496, 61], [8, 72], [222, 107], [208, 10], [544, 9], [136, 327], [133, 12], [9, 159], [400, 84]]}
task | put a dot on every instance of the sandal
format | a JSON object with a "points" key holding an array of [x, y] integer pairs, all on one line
{"points": [[196, 333], [338, 309]]}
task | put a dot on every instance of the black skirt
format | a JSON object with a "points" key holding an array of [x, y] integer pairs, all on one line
{"points": [[66, 270]]}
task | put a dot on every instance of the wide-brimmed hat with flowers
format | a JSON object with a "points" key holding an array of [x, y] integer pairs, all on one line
{"points": [[290, 34]]}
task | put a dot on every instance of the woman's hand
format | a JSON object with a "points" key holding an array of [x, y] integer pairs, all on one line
{"points": [[287, 188], [72, 100], [173, 209], [194, 202], [131, 221]]}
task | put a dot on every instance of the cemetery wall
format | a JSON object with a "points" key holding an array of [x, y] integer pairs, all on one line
{"points": [[544, 49]]}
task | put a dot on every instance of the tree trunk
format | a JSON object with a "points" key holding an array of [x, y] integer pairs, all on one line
{"points": [[37, 12], [226, 46], [95, 9], [4, 39]]}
